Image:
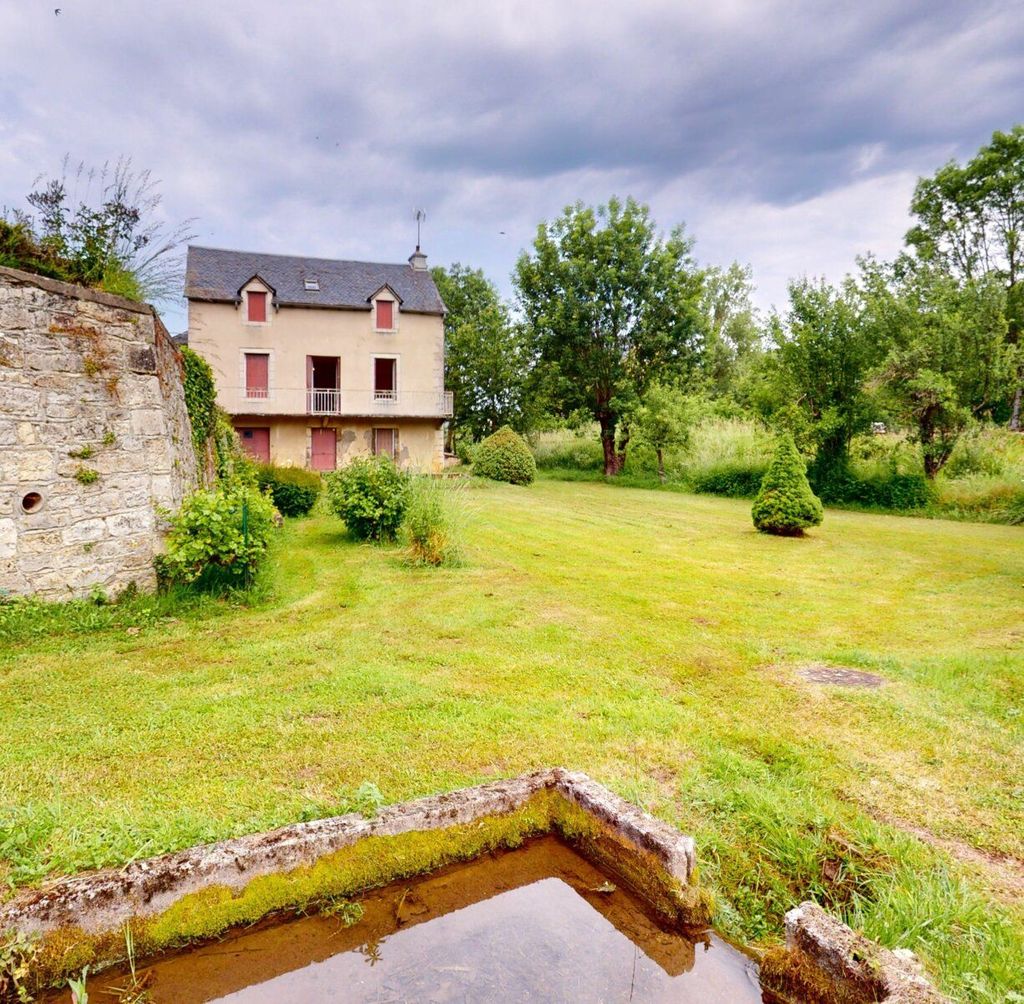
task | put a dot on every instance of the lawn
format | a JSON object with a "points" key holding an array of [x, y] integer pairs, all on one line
{"points": [[652, 639]]}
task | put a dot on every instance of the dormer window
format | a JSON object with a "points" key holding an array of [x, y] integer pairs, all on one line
{"points": [[256, 306], [385, 320], [312, 285]]}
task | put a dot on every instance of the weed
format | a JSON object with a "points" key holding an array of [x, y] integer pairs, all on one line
{"points": [[16, 954], [82, 453], [366, 800], [347, 911], [86, 475], [79, 992]]}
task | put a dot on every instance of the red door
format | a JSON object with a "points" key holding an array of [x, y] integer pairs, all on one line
{"points": [[324, 453], [256, 442]]}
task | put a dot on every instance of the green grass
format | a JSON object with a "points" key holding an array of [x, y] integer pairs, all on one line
{"points": [[648, 638]]}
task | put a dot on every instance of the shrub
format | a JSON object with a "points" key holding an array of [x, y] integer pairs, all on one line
{"points": [[562, 451], [735, 479], [465, 450], [785, 504], [504, 456], [370, 495], [218, 537], [293, 489], [432, 526], [883, 490]]}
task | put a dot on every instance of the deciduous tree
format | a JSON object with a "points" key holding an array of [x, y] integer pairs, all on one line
{"points": [[611, 303], [487, 356], [970, 221], [947, 359]]}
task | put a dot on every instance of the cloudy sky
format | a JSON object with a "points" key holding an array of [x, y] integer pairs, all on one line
{"points": [[785, 134]]}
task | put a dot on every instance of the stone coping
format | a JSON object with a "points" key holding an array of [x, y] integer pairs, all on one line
{"points": [[105, 900], [824, 961], [78, 292]]}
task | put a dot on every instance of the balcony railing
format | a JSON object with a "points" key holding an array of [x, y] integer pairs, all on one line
{"points": [[392, 403], [321, 401]]}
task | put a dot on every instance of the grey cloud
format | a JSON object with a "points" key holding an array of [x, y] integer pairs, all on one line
{"points": [[317, 128]]}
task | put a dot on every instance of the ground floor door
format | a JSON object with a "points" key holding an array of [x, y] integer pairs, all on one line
{"points": [[324, 449], [256, 442]]}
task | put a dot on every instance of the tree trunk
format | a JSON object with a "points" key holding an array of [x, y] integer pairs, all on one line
{"points": [[661, 465], [620, 453], [607, 422], [1015, 413]]}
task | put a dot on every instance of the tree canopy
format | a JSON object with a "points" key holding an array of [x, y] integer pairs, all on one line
{"points": [[487, 357], [610, 303]]}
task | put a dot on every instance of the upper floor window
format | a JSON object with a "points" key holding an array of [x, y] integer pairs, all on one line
{"points": [[257, 374], [385, 378], [385, 319], [311, 285], [256, 306]]}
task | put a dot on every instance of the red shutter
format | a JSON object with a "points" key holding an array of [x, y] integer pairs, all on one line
{"points": [[257, 374], [385, 315], [256, 442], [257, 306], [384, 442], [324, 449]]}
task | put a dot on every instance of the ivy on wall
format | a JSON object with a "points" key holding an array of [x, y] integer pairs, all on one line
{"points": [[200, 398]]}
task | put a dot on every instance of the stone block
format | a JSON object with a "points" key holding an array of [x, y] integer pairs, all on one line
{"points": [[84, 531], [8, 538], [149, 422], [34, 465]]}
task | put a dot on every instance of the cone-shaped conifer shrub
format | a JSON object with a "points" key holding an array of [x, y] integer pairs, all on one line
{"points": [[505, 456], [785, 505]]}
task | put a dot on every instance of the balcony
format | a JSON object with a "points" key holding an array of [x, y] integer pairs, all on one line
{"points": [[374, 403], [323, 401]]}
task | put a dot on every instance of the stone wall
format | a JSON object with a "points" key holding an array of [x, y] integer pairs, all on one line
{"points": [[94, 436]]}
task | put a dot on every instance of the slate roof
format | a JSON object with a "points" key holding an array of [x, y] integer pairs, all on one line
{"points": [[217, 274]]}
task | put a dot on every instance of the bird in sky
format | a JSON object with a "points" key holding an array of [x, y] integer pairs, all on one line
{"points": [[56, 11]]}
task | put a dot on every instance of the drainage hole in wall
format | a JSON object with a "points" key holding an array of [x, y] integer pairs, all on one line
{"points": [[32, 502]]}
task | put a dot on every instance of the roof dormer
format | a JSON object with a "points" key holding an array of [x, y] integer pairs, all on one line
{"points": [[385, 304], [255, 297]]}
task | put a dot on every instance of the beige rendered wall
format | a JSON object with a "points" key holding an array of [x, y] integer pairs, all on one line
{"points": [[420, 443], [220, 333]]}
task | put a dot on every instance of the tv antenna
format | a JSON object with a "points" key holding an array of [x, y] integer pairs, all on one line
{"points": [[421, 215]]}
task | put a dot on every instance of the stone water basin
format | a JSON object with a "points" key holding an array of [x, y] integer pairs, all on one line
{"points": [[539, 923]]}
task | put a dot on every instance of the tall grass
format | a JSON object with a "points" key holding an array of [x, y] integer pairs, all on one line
{"points": [[433, 522], [983, 481]]}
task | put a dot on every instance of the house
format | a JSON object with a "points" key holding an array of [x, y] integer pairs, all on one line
{"points": [[319, 361]]}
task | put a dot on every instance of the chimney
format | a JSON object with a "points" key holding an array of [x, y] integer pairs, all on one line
{"points": [[418, 260]]}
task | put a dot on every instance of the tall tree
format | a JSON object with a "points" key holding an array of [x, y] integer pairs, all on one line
{"points": [[610, 303], [487, 357], [823, 355], [663, 420], [732, 332], [946, 359], [970, 220]]}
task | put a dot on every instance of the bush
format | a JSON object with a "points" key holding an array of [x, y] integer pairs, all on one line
{"points": [[218, 537], [465, 450], [504, 456], [370, 495], [562, 451], [899, 492], [785, 504], [432, 527], [735, 479], [293, 489]]}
